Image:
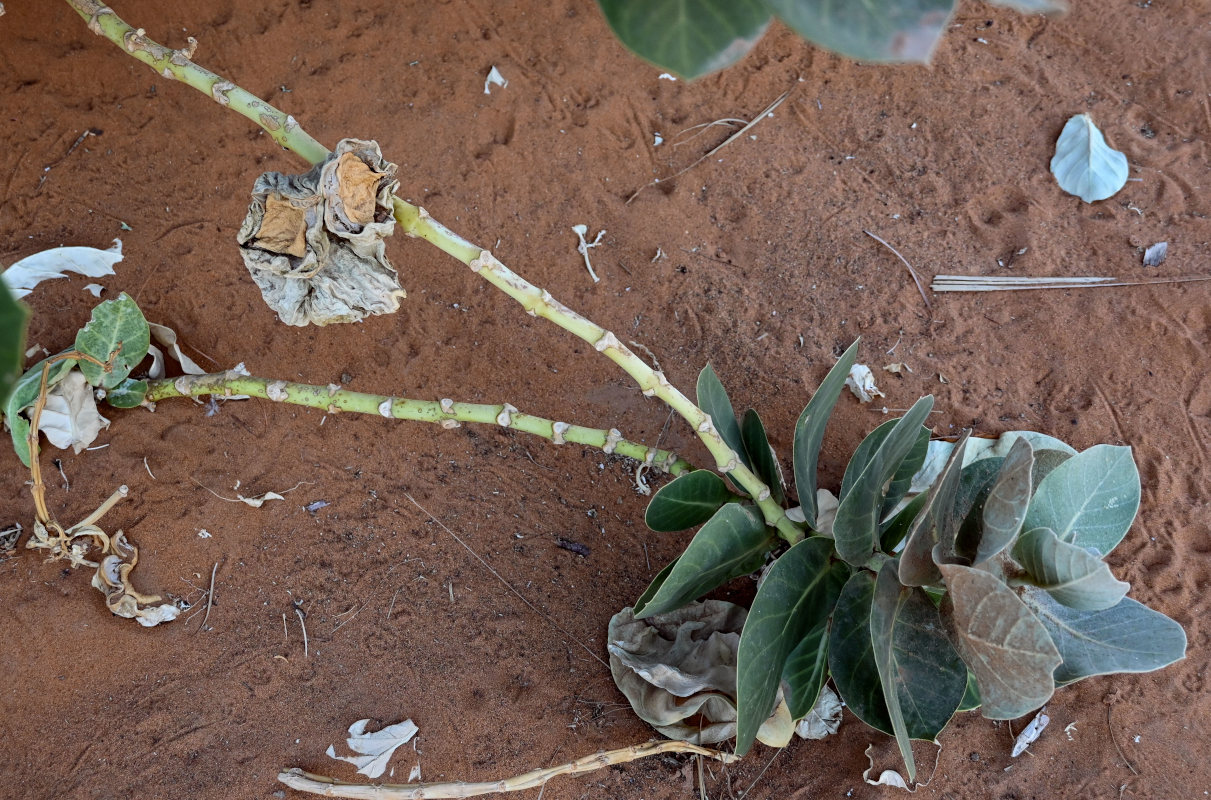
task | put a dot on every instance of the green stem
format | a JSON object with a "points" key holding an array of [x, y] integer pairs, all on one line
{"points": [[446, 413], [416, 221]]}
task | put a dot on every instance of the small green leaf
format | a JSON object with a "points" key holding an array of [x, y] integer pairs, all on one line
{"points": [[809, 432], [686, 501], [856, 527], [1090, 500], [922, 677], [128, 394], [713, 399], [655, 585], [24, 394], [1002, 642], [1006, 505], [1073, 576], [871, 30], [793, 597], [935, 521], [732, 543], [1084, 165], [975, 485], [761, 456], [851, 655], [1045, 462], [1130, 637], [807, 667], [116, 326], [688, 37], [902, 480], [14, 316]]}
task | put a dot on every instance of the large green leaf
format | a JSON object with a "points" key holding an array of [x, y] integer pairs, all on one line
{"points": [[688, 37], [809, 432], [1006, 505], [1090, 500], [1002, 642], [869, 30], [1130, 637], [922, 677], [1070, 574], [902, 479], [117, 326], [14, 316], [917, 566], [793, 597], [686, 501], [756, 445], [856, 527], [713, 399], [807, 667], [24, 394], [851, 655], [732, 543]]}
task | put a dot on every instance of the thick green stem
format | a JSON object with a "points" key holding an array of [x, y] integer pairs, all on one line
{"points": [[446, 413], [415, 221]]}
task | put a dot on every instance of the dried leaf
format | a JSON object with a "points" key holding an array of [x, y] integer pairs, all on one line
{"points": [[283, 228], [112, 579], [357, 189], [70, 418], [824, 719], [376, 748], [861, 382], [167, 337], [494, 79], [260, 500], [27, 273], [1155, 255], [1084, 165], [1031, 733]]}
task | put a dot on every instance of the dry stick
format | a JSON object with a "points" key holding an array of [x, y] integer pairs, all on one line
{"points": [[966, 283], [302, 781], [209, 597], [416, 221], [303, 625], [915, 278], [1114, 739], [747, 127]]}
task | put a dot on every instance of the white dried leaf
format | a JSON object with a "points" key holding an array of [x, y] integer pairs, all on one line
{"points": [[888, 777], [95, 289], [1084, 165], [494, 79], [167, 338], [414, 775], [70, 417], [1030, 733], [27, 273], [260, 500], [1155, 255], [375, 748], [861, 381], [825, 717]]}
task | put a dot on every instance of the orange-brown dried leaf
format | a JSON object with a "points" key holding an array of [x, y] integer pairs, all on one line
{"points": [[283, 228], [357, 186]]}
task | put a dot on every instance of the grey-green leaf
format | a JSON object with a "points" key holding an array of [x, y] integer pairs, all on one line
{"points": [[809, 432], [856, 528], [655, 585], [1070, 574], [851, 655], [1005, 508], [713, 399], [686, 501], [922, 677], [1130, 637], [756, 446], [871, 30], [971, 697], [791, 599], [806, 669], [24, 394], [14, 316], [732, 543], [117, 326], [127, 394], [975, 485], [917, 566], [688, 37], [1002, 642], [1084, 165], [902, 479], [1090, 500]]}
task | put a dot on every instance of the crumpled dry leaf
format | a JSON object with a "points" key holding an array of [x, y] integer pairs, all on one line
{"points": [[825, 717], [376, 748], [260, 500], [861, 381], [167, 338], [112, 579], [340, 273], [678, 670], [1031, 733], [70, 417], [27, 273], [888, 777]]}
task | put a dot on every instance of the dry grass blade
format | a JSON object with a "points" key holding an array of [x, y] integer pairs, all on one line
{"points": [[915, 277], [975, 283], [747, 127]]}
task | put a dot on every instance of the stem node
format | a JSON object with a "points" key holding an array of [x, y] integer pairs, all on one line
{"points": [[505, 418]]}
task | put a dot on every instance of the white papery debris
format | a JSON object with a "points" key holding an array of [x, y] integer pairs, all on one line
{"points": [[1030, 733], [494, 78], [861, 382], [824, 719], [27, 273], [95, 289], [167, 338], [584, 247], [1155, 255], [376, 748], [70, 417]]}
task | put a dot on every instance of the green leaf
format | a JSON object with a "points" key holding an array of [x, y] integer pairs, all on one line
{"points": [[975, 485], [851, 655], [688, 37], [1130, 637], [902, 480], [116, 326], [756, 445], [856, 527], [896, 529], [25, 393], [806, 669], [1005, 508], [809, 432], [655, 585], [686, 501], [792, 598], [1084, 165], [127, 394], [935, 519], [971, 697], [732, 543], [14, 316], [713, 399], [1002, 642], [1090, 500], [871, 30], [922, 677], [1045, 463], [1073, 576]]}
